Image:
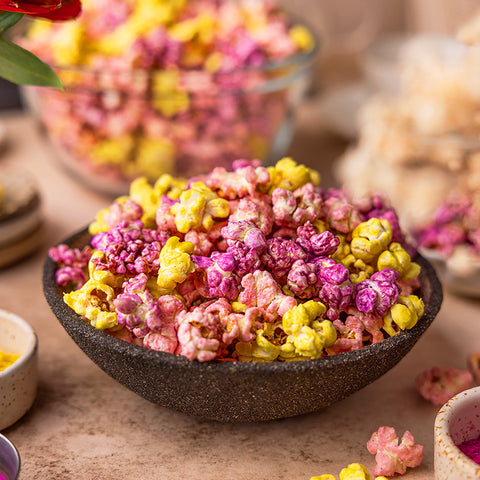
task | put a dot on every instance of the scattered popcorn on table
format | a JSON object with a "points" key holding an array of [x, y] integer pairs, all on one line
{"points": [[438, 385], [391, 456], [354, 471], [256, 273], [167, 86]]}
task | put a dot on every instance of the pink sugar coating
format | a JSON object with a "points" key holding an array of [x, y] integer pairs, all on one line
{"points": [[471, 448]]}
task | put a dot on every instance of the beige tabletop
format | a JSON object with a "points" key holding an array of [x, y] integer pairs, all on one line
{"points": [[84, 425]]}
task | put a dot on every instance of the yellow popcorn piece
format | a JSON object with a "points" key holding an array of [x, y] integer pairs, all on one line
{"points": [[403, 315], [396, 258], [114, 151], [200, 28], [238, 307], [307, 336], [359, 270], [175, 264], [326, 476], [154, 157], [371, 238], [290, 175], [355, 471], [302, 315], [94, 301], [168, 98], [259, 350], [197, 208], [150, 197], [301, 37]]}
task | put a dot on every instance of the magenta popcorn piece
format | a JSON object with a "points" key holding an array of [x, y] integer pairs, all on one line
{"points": [[303, 279], [337, 290], [129, 248], [247, 260], [65, 275], [246, 232], [280, 256], [391, 456], [378, 293], [221, 281], [440, 384]]}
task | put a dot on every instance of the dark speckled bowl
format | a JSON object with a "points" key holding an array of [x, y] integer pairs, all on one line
{"points": [[236, 391]]}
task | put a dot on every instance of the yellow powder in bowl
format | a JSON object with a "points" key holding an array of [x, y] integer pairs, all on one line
{"points": [[6, 359]]}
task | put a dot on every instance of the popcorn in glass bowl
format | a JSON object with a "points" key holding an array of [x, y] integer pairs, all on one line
{"points": [[155, 87]]}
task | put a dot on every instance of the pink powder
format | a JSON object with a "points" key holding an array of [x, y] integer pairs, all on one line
{"points": [[471, 448]]}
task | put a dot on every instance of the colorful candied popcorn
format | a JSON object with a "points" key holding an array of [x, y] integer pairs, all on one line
{"points": [[354, 471], [7, 359], [440, 384], [454, 230], [391, 456], [168, 86], [253, 264]]}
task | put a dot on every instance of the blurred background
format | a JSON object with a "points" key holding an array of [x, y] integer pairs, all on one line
{"points": [[347, 29]]}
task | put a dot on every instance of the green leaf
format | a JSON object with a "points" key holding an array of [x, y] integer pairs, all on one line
{"points": [[9, 19], [22, 67]]}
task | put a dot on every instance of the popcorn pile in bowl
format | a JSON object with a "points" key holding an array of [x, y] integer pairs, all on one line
{"points": [[157, 86], [252, 264]]}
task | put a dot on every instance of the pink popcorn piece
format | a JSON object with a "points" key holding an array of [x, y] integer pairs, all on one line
{"points": [[391, 456], [440, 384], [129, 249], [72, 263], [378, 293]]}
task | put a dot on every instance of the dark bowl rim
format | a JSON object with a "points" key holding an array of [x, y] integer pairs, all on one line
{"points": [[65, 315]]}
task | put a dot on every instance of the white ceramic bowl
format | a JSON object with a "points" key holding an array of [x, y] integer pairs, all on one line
{"points": [[18, 382], [457, 421]]}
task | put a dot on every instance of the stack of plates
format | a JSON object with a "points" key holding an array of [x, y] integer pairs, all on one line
{"points": [[20, 215]]}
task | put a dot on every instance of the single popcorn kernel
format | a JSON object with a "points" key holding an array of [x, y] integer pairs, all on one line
{"points": [[370, 238], [175, 264], [403, 315], [397, 258], [94, 301], [307, 337], [289, 175], [355, 471], [197, 207]]}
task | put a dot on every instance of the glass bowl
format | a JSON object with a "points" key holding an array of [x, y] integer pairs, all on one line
{"points": [[109, 127]]}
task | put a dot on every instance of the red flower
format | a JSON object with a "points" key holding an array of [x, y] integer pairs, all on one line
{"points": [[51, 9]]}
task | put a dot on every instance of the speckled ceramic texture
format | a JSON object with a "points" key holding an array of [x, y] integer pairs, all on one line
{"points": [[18, 382], [457, 421], [238, 391]]}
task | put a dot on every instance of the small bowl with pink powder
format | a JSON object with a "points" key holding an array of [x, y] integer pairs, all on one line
{"points": [[457, 437]]}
